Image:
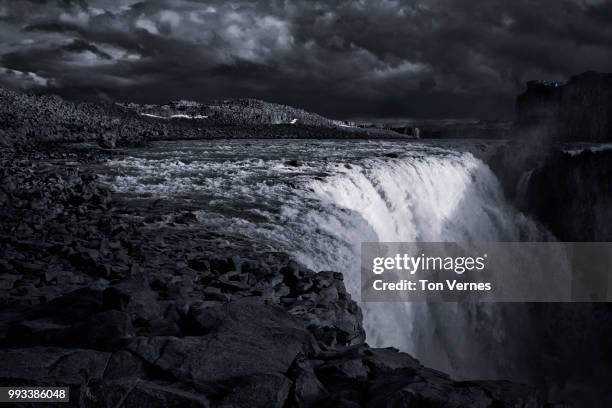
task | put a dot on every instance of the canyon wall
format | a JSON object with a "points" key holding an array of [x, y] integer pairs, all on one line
{"points": [[579, 110]]}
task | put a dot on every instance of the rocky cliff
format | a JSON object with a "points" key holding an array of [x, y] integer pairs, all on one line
{"points": [[562, 183], [579, 110], [566, 187], [569, 191]]}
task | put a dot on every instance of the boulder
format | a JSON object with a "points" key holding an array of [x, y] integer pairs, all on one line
{"points": [[138, 393], [428, 388], [123, 365], [307, 389], [73, 306], [49, 365], [102, 331], [259, 391], [234, 339], [383, 361], [294, 163], [107, 141]]}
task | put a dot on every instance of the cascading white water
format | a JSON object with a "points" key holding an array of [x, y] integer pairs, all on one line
{"points": [[453, 198]]}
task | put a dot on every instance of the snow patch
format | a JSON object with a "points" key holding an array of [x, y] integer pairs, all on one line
{"points": [[177, 116], [152, 116], [183, 116]]}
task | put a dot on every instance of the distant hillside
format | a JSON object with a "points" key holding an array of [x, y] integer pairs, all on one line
{"points": [[28, 119], [32, 119], [444, 128], [234, 112]]}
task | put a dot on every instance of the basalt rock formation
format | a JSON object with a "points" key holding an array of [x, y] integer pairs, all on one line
{"points": [[568, 191], [579, 110], [562, 184]]}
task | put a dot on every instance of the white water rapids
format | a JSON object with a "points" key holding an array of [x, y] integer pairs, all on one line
{"points": [[344, 193]]}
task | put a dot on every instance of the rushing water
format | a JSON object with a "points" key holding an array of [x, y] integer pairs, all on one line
{"points": [[340, 194]]}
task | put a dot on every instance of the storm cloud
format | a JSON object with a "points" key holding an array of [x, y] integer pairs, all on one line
{"points": [[386, 58]]}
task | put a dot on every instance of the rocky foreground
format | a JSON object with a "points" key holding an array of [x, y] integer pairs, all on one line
{"points": [[130, 314]]}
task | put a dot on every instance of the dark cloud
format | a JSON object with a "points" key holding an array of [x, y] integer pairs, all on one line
{"points": [[364, 58]]}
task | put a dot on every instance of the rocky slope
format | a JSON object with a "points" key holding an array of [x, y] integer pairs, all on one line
{"points": [[33, 119], [579, 110], [234, 112], [135, 311]]}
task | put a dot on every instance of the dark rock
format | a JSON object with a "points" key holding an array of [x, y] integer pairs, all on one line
{"points": [[103, 331], [237, 335], [343, 374], [382, 361], [7, 281], [87, 260], [213, 293], [294, 163], [123, 364], [582, 184], [202, 265], [143, 304], [260, 391], [392, 155], [329, 313], [185, 218], [42, 365], [428, 388], [234, 281], [115, 299], [107, 141], [307, 389], [138, 393], [222, 265], [579, 110], [44, 331], [74, 306]]}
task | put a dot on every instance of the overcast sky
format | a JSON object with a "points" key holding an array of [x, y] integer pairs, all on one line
{"points": [[386, 58]]}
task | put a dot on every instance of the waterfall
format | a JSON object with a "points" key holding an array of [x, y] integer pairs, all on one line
{"points": [[345, 193], [451, 197]]}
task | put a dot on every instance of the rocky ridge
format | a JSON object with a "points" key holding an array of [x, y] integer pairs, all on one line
{"points": [[242, 111]]}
